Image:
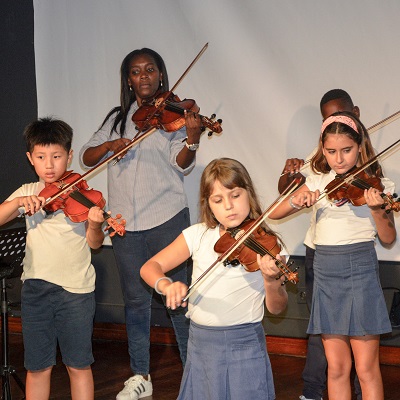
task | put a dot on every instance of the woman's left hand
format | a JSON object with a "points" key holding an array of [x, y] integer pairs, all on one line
{"points": [[193, 127]]}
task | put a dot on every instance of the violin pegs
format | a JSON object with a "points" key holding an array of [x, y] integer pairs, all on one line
{"points": [[203, 128], [219, 121], [210, 133], [213, 116]]}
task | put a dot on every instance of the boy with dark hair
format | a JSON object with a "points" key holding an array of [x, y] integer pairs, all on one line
{"points": [[57, 299]]}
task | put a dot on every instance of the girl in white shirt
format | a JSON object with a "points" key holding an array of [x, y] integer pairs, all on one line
{"points": [[227, 357], [348, 307]]}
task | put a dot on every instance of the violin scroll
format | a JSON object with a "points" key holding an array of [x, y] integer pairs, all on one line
{"points": [[117, 224], [391, 202]]}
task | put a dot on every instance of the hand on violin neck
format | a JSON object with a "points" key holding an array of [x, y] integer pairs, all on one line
{"points": [[95, 217], [193, 125], [373, 198], [268, 267], [187, 155], [94, 233], [276, 297]]}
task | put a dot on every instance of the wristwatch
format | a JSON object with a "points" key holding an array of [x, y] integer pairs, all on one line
{"points": [[192, 147]]}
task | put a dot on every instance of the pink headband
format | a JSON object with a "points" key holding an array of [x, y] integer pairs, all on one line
{"points": [[339, 118]]}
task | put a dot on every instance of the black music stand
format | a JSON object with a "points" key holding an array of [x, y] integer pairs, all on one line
{"points": [[12, 249]]}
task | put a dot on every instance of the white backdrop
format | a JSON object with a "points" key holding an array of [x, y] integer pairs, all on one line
{"points": [[266, 68]]}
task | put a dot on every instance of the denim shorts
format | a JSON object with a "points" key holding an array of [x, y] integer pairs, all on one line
{"points": [[50, 314]]}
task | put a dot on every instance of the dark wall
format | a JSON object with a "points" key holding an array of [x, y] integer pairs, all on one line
{"points": [[18, 101]]}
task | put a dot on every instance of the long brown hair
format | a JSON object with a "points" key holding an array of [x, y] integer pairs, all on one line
{"points": [[359, 136]]}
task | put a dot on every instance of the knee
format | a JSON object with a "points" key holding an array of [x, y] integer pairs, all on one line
{"points": [[72, 372], [338, 370], [39, 375], [41, 371], [368, 373]]}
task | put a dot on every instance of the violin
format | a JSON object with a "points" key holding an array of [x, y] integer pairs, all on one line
{"points": [[340, 192], [166, 111], [77, 200], [255, 224], [259, 242]]}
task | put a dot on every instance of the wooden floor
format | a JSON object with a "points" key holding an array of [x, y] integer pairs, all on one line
{"points": [[111, 369]]}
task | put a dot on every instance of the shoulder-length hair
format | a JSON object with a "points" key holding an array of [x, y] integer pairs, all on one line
{"points": [[359, 136]]}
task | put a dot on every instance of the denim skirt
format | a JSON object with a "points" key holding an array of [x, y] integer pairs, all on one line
{"points": [[348, 298], [227, 363]]}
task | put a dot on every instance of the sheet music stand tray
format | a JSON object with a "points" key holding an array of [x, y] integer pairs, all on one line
{"points": [[12, 250]]}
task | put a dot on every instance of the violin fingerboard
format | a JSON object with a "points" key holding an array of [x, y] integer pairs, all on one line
{"points": [[80, 198]]}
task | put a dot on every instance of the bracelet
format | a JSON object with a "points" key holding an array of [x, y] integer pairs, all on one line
{"points": [[294, 205], [160, 279]]}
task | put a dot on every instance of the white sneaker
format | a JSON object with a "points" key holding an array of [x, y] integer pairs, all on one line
{"points": [[135, 388], [304, 398]]}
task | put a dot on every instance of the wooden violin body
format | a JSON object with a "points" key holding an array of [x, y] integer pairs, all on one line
{"points": [[167, 112], [71, 208], [259, 242], [340, 191], [77, 200]]}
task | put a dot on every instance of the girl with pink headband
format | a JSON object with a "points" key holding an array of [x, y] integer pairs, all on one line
{"points": [[343, 119], [348, 308]]}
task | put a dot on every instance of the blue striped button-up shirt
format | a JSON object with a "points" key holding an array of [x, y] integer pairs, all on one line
{"points": [[146, 186]]}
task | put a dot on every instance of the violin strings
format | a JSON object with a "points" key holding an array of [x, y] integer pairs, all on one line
{"points": [[251, 243], [173, 107], [260, 249], [361, 184]]}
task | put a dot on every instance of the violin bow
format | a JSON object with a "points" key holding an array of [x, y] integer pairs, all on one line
{"points": [[289, 190], [190, 67], [388, 120], [68, 186], [138, 138], [352, 176]]}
